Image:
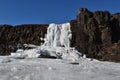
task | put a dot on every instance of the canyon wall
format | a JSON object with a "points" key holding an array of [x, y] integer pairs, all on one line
{"points": [[97, 34], [11, 36]]}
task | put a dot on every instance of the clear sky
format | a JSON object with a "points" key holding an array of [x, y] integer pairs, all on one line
{"points": [[17, 12]]}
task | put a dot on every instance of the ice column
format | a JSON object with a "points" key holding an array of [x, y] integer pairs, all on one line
{"points": [[58, 35]]}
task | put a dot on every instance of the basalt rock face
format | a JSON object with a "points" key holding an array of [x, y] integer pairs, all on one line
{"points": [[11, 36], [95, 32]]}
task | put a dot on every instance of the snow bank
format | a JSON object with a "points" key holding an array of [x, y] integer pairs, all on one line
{"points": [[58, 52], [26, 53]]}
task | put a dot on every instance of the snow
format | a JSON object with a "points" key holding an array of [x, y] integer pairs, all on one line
{"points": [[27, 53], [59, 52], [57, 69], [30, 45]]}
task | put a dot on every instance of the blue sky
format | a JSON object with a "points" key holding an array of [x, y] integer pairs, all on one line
{"points": [[15, 12]]}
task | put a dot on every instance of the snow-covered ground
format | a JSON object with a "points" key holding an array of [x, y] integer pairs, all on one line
{"points": [[57, 69], [68, 65]]}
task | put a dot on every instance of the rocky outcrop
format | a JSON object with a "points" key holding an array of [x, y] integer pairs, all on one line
{"points": [[20, 34], [95, 32], [110, 53]]}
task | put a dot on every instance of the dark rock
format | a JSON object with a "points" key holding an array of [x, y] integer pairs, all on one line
{"points": [[47, 56], [102, 17], [95, 32], [73, 23], [110, 53], [20, 34], [115, 29]]}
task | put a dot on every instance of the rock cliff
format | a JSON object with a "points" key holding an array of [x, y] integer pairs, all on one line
{"points": [[96, 32], [11, 36]]}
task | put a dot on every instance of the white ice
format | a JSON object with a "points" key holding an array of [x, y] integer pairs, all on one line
{"points": [[58, 35]]}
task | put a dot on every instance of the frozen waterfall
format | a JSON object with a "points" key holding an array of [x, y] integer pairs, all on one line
{"points": [[58, 35]]}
